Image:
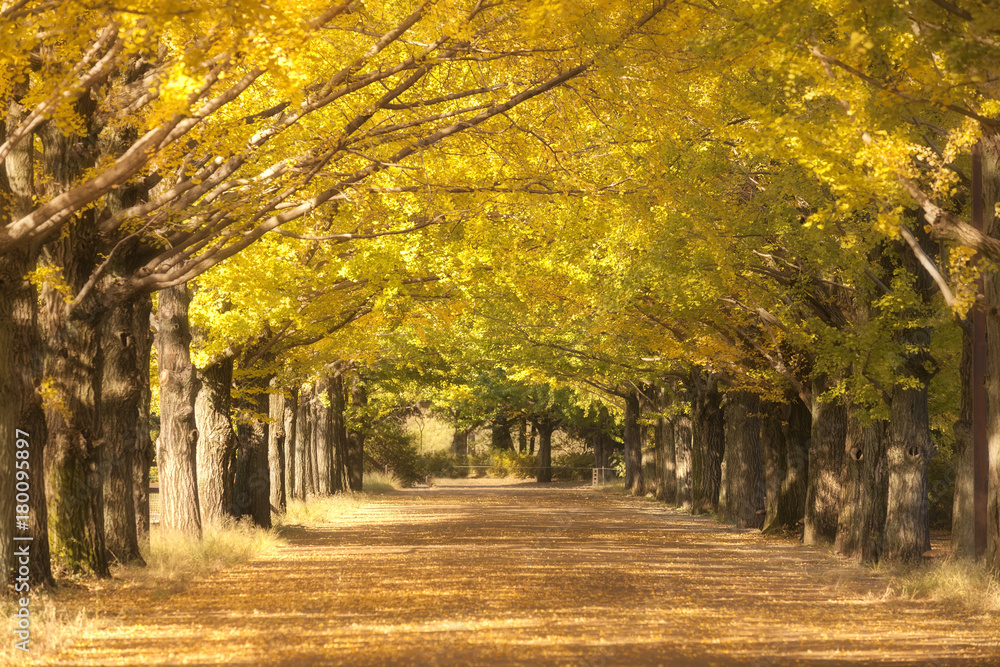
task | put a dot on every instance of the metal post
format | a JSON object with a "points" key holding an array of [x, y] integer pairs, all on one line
{"points": [[980, 456]]}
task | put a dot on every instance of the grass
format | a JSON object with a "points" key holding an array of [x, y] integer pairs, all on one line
{"points": [[173, 562], [950, 580]]}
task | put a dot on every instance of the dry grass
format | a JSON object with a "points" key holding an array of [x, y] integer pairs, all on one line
{"points": [[173, 563], [380, 482], [51, 628], [949, 580]]}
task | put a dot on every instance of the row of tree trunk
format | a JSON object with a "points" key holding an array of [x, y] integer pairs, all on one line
{"points": [[226, 449], [847, 480]]}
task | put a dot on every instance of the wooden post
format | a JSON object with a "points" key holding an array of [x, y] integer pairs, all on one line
{"points": [[980, 457]]}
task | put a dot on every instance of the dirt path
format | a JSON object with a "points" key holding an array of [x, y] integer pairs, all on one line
{"points": [[517, 574]]}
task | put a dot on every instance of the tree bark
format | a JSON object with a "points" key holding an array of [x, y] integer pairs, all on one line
{"points": [[276, 438], [303, 435], [826, 451], [633, 445], [666, 460], [291, 413], [356, 435], [864, 482], [522, 435], [910, 449], [500, 438], [708, 445], [991, 197], [253, 478], [217, 442], [177, 445], [544, 428], [339, 427], [682, 458], [144, 448], [323, 435], [745, 474], [785, 433], [460, 443], [963, 526], [121, 413]]}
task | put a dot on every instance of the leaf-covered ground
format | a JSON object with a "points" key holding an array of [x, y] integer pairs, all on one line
{"points": [[480, 573]]}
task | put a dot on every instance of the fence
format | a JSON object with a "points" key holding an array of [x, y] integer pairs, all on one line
{"points": [[604, 476], [154, 502]]}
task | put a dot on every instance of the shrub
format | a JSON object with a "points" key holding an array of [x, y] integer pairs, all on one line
{"points": [[390, 447], [573, 465]]}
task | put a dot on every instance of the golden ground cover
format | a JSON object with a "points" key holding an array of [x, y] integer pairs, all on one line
{"points": [[483, 572]]}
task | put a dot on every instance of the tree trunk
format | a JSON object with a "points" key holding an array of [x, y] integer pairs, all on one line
{"points": [[290, 417], [991, 197], [74, 363], [177, 445], [772, 437], [745, 478], [963, 526], [785, 432], [500, 438], [21, 361], [682, 458], [121, 412], [303, 435], [21, 373], [276, 438], [217, 443], [531, 441], [633, 445], [666, 461], [339, 427], [356, 435], [323, 440], [144, 448], [707, 447], [316, 418], [907, 521], [253, 477], [826, 452], [544, 428], [864, 480], [460, 443]]}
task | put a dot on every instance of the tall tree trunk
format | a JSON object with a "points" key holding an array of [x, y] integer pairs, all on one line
{"points": [[253, 478], [772, 438], [460, 443], [708, 445], [500, 438], [522, 435], [323, 440], [217, 443], [73, 456], [291, 414], [177, 445], [633, 445], [276, 438], [826, 452], [531, 440], [666, 460], [963, 526], [303, 435], [907, 521], [121, 398], [338, 407], [144, 448], [785, 432], [745, 506], [682, 460], [544, 427], [991, 197], [21, 360], [356, 435], [864, 481]]}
